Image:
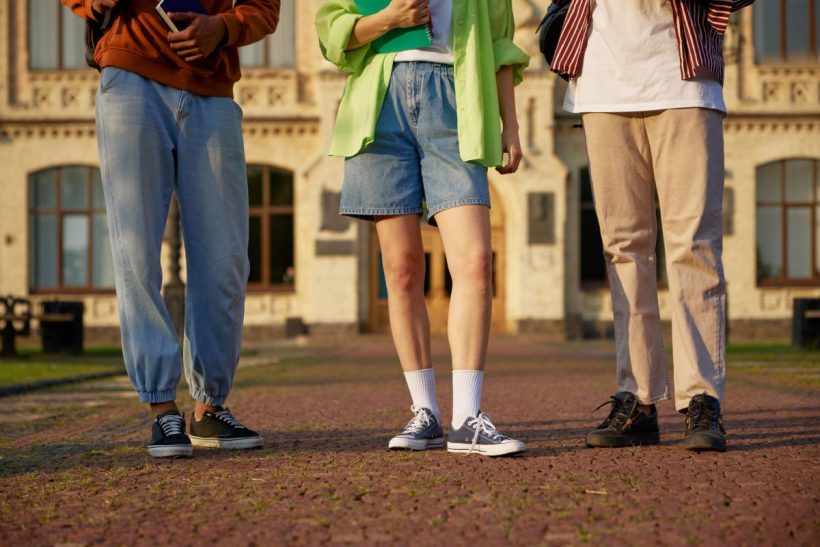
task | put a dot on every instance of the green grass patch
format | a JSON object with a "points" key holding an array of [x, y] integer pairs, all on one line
{"points": [[771, 353], [26, 372]]}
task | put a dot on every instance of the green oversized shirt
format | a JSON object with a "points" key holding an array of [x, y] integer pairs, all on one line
{"points": [[482, 37]]}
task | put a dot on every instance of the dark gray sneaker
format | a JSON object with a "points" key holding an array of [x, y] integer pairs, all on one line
{"points": [[422, 432], [479, 435], [704, 425], [168, 438], [220, 429]]}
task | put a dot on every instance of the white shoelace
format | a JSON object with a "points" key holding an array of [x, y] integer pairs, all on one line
{"points": [[171, 425], [419, 421], [483, 424], [225, 416]]}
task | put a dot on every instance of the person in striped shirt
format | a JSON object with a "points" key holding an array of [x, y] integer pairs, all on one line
{"points": [[646, 77]]}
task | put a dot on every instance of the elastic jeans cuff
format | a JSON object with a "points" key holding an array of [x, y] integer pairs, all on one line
{"points": [[213, 400], [156, 397]]}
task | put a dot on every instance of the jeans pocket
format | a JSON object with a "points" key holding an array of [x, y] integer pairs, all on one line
{"points": [[108, 76]]}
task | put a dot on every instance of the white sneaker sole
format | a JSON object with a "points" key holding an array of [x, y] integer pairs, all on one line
{"points": [[503, 449], [400, 443], [181, 451], [226, 444]]}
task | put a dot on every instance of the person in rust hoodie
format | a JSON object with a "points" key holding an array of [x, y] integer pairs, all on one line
{"points": [[167, 123]]}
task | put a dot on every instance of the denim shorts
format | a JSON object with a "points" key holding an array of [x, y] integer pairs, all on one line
{"points": [[414, 162]]}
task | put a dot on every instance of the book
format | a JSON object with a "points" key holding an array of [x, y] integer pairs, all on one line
{"points": [[164, 7], [398, 39]]}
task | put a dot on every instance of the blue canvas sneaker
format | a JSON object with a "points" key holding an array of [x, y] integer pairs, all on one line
{"points": [[422, 432], [478, 435]]}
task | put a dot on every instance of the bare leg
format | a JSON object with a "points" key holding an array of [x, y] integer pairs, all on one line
{"points": [[465, 232], [403, 259]]}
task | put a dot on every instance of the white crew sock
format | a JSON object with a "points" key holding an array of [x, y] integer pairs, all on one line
{"points": [[422, 385], [466, 395]]}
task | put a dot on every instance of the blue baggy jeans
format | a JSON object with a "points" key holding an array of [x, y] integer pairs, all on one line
{"points": [[155, 140]]}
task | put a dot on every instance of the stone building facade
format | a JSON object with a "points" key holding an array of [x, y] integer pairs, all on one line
{"points": [[314, 267]]}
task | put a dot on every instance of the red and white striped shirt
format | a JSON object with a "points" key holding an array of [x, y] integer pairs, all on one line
{"points": [[699, 26]]}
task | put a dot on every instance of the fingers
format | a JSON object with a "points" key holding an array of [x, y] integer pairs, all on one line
{"points": [[180, 47], [184, 16], [513, 158], [183, 35]]}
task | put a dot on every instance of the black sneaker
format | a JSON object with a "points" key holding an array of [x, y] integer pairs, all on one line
{"points": [[219, 429], [168, 438], [704, 425], [625, 425]]}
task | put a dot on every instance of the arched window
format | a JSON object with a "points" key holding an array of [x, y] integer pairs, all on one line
{"points": [[786, 30], [271, 245], [788, 223], [277, 50], [69, 245], [56, 37]]}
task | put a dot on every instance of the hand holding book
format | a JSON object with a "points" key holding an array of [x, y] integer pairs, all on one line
{"points": [[392, 25], [194, 33]]}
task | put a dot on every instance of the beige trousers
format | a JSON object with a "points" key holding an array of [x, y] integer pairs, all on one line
{"points": [[679, 153]]}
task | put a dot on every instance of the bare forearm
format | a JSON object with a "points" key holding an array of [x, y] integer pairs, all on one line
{"points": [[370, 28], [506, 97]]}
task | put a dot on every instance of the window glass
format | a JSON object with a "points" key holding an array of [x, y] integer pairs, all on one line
{"points": [[255, 250], [797, 29], [102, 261], [282, 45], [97, 190], [281, 188], [817, 240], [73, 50], [799, 242], [43, 267], [74, 188], [768, 182], [769, 242], [43, 17], [75, 250], [43, 190], [281, 249], [799, 181], [252, 55], [256, 177], [767, 30]]}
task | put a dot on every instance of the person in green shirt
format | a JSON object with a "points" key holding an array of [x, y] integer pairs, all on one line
{"points": [[419, 128]]}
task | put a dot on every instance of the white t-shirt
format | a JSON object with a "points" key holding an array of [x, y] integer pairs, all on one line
{"points": [[632, 63], [441, 17]]}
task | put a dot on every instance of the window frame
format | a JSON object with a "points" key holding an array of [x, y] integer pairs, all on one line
{"points": [[59, 214], [785, 206], [264, 212], [62, 12], [813, 39]]}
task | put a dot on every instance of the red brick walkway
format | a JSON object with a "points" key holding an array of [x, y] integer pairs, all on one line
{"points": [[73, 468]]}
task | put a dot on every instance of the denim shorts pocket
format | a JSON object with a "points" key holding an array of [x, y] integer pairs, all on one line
{"points": [[108, 76]]}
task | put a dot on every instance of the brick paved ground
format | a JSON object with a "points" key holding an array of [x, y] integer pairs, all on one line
{"points": [[73, 468]]}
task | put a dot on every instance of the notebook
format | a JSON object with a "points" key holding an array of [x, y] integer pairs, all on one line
{"points": [[164, 7], [398, 39]]}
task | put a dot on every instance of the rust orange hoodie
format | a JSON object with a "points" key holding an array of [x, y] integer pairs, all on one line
{"points": [[137, 41]]}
